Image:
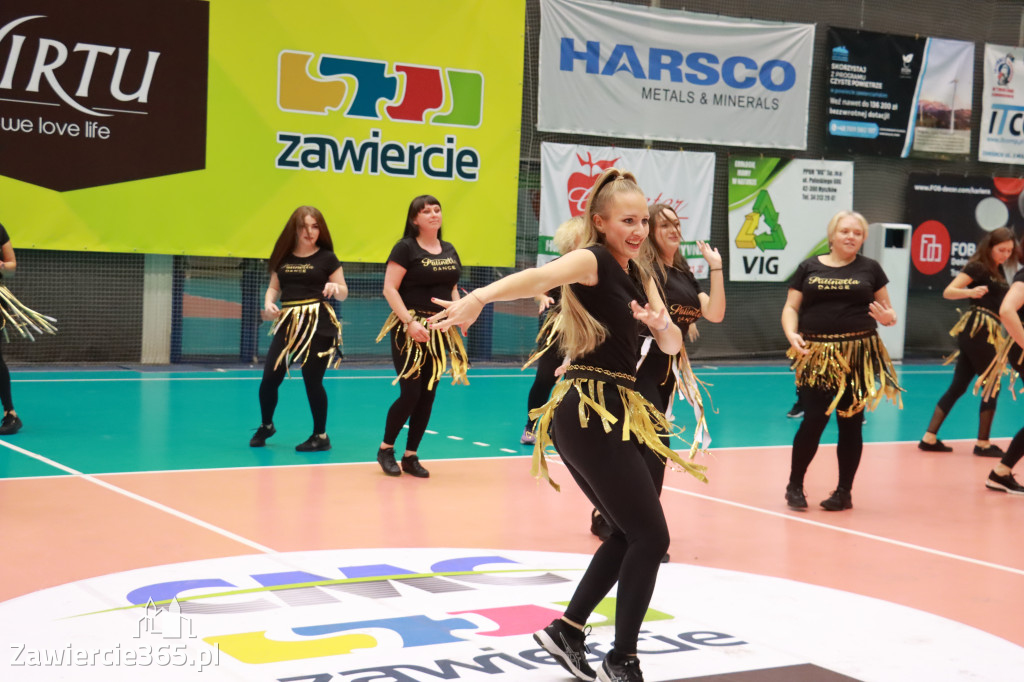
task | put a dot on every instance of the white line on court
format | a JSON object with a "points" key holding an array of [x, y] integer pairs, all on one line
{"points": [[139, 498], [861, 534]]}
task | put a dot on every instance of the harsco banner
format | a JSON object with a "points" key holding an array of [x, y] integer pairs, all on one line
{"points": [[682, 180], [1002, 107], [779, 211], [628, 71], [899, 95], [196, 128]]}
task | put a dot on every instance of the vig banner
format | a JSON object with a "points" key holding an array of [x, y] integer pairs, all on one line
{"points": [[778, 213], [194, 127], [899, 95], [682, 180]]}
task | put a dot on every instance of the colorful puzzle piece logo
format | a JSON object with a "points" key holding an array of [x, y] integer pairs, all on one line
{"points": [[308, 84], [774, 239]]}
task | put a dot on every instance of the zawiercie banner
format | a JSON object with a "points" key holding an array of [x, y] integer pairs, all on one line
{"points": [[191, 127], [899, 96], [1002, 107], [950, 214], [683, 180], [779, 211], [628, 71]]}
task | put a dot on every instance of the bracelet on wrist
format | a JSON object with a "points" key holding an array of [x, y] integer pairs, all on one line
{"points": [[667, 325], [714, 269]]}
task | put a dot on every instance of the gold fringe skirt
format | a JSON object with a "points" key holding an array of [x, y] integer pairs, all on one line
{"points": [[23, 319], [984, 321], [300, 319], [547, 336], [640, 419], [686, 387], [856, 362], [1003, 364], [442, 346]]}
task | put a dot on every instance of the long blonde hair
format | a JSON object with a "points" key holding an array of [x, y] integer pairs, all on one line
{"points": [[581, 333]]}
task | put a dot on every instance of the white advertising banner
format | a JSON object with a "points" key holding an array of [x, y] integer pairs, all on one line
{"points": [[1002, 106], [630, 71], [779, 211], [682, 180]]}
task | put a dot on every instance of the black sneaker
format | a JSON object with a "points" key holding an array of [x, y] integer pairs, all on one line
{"points": [[10, 424], [937, 446], [992, 450], [386, 459], [795, 498], [839, 500], [264, 432], [599, 525], [1005, 484], [625, 670], [567, 644], [411, 465], [796, 411], [314, 443]]}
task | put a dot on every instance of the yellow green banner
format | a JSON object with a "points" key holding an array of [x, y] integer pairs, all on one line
{"points": [[111, 142]]}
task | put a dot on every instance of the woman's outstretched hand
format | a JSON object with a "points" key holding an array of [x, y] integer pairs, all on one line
{"points": [[655, 321], [461, 313]]}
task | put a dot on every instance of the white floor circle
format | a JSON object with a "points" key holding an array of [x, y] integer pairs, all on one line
{"points": [[417, 615]]}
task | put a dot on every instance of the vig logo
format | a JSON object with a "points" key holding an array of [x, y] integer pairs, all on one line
{"points": [[311, 84]]}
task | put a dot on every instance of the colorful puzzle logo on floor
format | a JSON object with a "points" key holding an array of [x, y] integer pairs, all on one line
{"points": [[412, 615]]}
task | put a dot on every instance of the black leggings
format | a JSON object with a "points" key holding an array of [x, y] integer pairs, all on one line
{"points": [[313, 371], [545, 380], [5, 383], [614, 476], [815, 402], [655, 382], [415, 401], [1015, 451], [976, 353]]}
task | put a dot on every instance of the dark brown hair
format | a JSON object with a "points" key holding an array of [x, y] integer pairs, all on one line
{"points": [[286, 242], [415, 207], [983, 254]]}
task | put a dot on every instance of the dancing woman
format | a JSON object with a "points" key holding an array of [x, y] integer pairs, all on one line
{"points": [[605, 290], [304, 274], [23, 320], [979, 335], [421, 267], [830, 318]]}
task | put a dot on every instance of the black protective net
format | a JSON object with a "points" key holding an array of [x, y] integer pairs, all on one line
{"points": [[207, 306]]}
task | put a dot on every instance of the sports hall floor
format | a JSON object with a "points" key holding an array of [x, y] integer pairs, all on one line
{"points": [[122, 469]]}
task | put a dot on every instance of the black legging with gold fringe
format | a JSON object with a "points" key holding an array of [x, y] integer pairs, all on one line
{"points": [[415, 399], [313, 370]]}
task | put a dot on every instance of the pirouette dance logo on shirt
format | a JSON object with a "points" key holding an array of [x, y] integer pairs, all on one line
{"points": [[684, 313], [439, 264], [832, 283], [296, 268]]}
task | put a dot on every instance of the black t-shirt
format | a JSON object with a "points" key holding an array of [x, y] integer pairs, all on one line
{"points": [[1019, 277], [427, 275], [682, 296], [997, 288], [608, 302], [303, 279], [836, 300]]}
